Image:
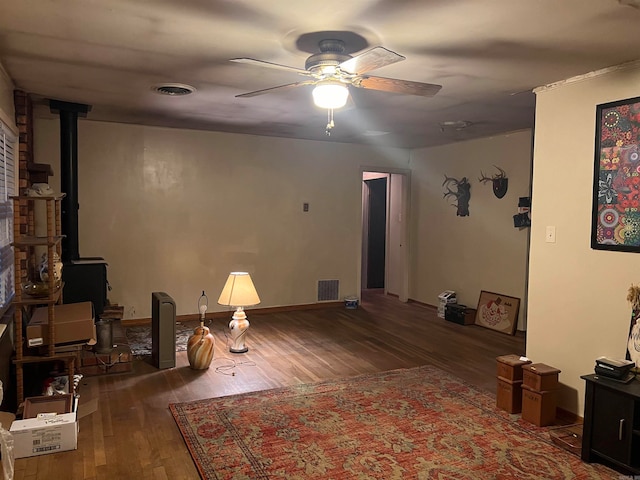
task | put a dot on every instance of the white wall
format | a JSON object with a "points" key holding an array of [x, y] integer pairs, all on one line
{"points": [[482, 251], [577, 296], [395, 238], [177, 210]]}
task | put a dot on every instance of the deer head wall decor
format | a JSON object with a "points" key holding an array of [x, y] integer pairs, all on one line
{"points": [[499, 180], [462, 194]]}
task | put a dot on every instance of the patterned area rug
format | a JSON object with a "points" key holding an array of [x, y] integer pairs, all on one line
{"points": [[139, 338], [418, 423]]}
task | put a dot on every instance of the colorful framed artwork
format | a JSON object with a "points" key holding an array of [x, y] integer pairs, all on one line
{"points": [[616, 180], [498, 312]]}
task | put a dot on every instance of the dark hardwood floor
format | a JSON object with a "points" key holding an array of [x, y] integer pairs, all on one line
{"points": [[133, 435]]}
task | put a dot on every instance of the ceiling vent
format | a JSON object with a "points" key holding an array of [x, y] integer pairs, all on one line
{"points": [[455, 125], [173, 89]]}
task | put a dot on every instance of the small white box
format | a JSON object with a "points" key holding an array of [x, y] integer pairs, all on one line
{"points": [[446, 297], [39, 436]]}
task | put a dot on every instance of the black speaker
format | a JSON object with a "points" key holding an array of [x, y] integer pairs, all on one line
{"points": [[163, 330]]}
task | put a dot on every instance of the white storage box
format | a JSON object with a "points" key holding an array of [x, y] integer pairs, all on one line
{"points": [[39, 436], [446, 297]]}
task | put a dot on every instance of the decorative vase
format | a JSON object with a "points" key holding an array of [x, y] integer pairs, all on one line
{"points": [[43, 268], [200, 348]]}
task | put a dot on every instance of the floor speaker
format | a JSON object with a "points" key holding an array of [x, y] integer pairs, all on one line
{"points": [[163, 330]]}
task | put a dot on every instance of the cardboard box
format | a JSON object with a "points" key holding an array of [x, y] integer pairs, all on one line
{"points": [[39, 436], [58, 404], [538, 408], [74, 323], [509, 395], [540, 377], [446, 297], [510, 366]]}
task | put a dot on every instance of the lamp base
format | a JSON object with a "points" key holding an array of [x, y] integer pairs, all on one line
{"points": [[238, 328], [200, 348], [244, 350]]}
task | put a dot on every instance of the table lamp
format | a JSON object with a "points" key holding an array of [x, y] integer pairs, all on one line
{"points": [[200, 344], [239, 292]]}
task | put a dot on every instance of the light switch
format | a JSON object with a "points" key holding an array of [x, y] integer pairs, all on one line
{"points": [[305, 207], [550, 236]]}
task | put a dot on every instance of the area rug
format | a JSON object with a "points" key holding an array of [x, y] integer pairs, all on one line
{"points": [[139, 338], [418, 423]]}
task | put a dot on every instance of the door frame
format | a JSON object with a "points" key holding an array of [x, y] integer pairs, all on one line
{"points": [[403, 294]]}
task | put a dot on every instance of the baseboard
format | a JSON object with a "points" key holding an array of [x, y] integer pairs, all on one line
{"points": [[428, 305], [518, 333], [568, 417], [137, 322]]}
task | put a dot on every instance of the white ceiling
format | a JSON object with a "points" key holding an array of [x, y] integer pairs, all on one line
{"points": [[487, 54]]}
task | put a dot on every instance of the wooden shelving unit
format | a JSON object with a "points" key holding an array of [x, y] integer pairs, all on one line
{"points": [[26, 246]]}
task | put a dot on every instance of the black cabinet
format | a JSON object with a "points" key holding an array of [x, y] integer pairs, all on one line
{"points": [[611, 433]]}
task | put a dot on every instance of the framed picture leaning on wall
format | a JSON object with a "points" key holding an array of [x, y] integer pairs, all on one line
{"points": [[498, 312], [616, 179]]}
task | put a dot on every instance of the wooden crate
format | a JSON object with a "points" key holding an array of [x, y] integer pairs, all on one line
{"points": [[510, 367], [509, 395], [538, 408], [540, 377]]}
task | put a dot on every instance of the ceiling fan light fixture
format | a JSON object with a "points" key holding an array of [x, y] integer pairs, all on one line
{"points": [[330, 95]]}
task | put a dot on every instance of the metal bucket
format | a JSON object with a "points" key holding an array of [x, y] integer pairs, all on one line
{"points": [[104, 332]]}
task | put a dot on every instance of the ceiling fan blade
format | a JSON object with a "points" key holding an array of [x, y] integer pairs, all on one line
{"points": [[373, 58], [262, 63], [274, 89], [396, 86]]}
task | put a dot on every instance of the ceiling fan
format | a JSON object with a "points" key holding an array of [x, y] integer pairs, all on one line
{"points": [[332, 70]]}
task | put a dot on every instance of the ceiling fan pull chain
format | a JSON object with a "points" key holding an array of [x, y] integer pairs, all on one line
{"points": [[330, 123]]}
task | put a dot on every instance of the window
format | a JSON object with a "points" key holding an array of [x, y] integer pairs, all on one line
{"points": [[7, 189]]}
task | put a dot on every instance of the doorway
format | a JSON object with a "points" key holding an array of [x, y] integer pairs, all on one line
{"points": [[384, 262], [376, 231]]}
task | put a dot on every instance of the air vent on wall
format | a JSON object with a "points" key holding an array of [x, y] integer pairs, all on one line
{"points": [[328, 290]]}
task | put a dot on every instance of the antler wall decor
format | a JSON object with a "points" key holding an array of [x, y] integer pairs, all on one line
{"points": [[462, 194], [500, 182]]}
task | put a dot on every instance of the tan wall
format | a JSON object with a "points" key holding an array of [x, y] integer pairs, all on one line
{"points": [[482, 251], [7, 110], [577, 296], [177, 210]]}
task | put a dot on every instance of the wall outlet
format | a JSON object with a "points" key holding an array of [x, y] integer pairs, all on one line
{"points": [[550, 236]]}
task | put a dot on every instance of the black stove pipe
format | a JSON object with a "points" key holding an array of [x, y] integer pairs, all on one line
{"points": [[69, 113]]}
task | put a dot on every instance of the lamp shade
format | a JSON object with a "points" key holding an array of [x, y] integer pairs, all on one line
{"points": [[239, 291], [330, 94]]}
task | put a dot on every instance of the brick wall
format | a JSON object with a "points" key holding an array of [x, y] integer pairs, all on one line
{"points": [[29, 172], [24, 121]]}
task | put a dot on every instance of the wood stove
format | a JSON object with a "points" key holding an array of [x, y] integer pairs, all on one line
{"points": [[85, 279]]}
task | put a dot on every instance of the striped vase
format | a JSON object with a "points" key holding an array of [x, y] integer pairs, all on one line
{"points": [[200, 348]]}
